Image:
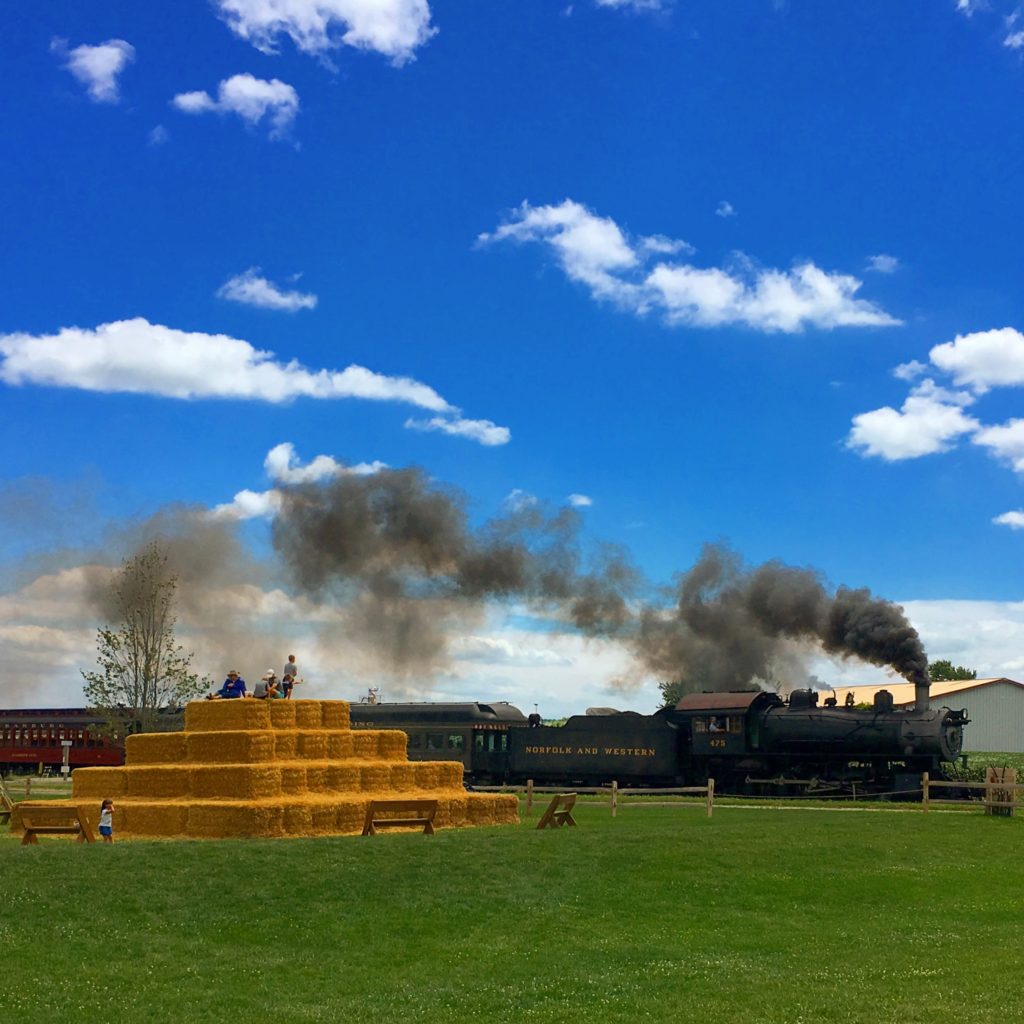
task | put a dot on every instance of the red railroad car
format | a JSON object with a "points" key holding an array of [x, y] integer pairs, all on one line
{"points": [[30, 737]]}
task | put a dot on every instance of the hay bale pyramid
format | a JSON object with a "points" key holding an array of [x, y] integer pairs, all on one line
{"points": [[273, 768]]}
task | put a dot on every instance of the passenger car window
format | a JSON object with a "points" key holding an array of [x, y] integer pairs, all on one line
{"points": [[455, 741], [435, 741]]}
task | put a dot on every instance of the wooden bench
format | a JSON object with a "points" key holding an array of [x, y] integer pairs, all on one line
{"points": [[559, 812], [47, 820], [413, 814], [6, 805]]}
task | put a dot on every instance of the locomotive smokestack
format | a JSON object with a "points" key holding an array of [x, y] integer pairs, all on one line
{"points": [[922, 694]]}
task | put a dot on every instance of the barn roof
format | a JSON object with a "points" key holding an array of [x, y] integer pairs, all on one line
{"points": [[903, 693]]}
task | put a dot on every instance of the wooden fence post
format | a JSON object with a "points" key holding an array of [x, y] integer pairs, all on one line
{"points": [[615, 798], [924, 792], [28, 786], [711, 797], [529, 798]]}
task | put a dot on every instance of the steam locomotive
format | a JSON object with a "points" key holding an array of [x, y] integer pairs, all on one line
{"points": [[748, 741]]}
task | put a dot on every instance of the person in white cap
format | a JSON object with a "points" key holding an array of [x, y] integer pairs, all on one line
{"points": [[260, 689]]}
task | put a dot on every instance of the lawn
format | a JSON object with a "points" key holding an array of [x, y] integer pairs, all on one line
{"points": [[658, 915]]}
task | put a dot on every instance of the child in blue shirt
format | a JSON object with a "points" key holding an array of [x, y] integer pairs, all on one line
{"points": [[107, 820]]}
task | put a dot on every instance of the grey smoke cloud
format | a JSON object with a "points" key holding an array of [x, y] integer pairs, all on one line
{"points": [[397, 573], [399, 555]]}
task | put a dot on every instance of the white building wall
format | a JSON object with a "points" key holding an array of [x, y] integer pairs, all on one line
{"points": [[996, 712]]}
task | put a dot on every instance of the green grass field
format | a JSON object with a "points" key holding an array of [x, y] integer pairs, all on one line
{"points": [[659, 915]]}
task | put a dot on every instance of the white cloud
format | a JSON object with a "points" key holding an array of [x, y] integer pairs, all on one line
{"points": [[499, 651], [664, 246], [725, 209], [97, 67], [1015, 40], [252, 99], [394, 28], [517, 499], [138, 357], [1014, 520], [984, 359], [591, 249], [1005, 442], [909, 371], [580, 501], [596, 252], [930, 421], [251, 289], [249, 505], [968, 7], [282, 465], [633, 5], [883, 264], [483, 431], [158, 136]]}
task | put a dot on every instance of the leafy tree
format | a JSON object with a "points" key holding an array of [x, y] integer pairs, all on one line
{"points": [[945, 671], [143, 672], [672, 692]]}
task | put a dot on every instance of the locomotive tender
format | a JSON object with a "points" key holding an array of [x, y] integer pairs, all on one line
{"points": [[749, 741]]}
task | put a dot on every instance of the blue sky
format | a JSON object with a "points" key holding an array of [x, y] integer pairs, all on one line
{"points": [[743, 272]]}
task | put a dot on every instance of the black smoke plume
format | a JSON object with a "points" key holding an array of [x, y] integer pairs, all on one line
{"points": [[730, 626], [401, 559]]}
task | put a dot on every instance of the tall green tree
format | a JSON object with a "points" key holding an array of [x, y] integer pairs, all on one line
{"points": [[946, 671], [142, 671]]}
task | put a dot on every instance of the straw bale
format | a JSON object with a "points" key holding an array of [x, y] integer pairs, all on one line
{"points": [[403, 776], [374, 778], [207, 820], [391, 744], [282, 713], [507, 810], [308, 714], [101, 782], [324, 818], [166, 818], [335, 714], [317, 777], [364, 743], [350, 816], [155, 748], [313, 745], [157, 780], [235, 781], [450, 774], [479, 809], [298, 819], [230, 747], [268, 820], [343, 778], [293, 777], [226, 715], [439, 775], [451, 811], [339, 744], [286, 744]]}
